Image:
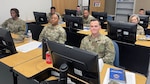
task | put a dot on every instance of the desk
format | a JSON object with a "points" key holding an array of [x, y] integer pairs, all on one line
{"points": [[63, 24], [34, 66], [7, 63], [103, 31]]}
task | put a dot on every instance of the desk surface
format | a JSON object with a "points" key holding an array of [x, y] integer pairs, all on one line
{"points": [[34, 66], [103, 31], [20, 57], [63, 24]]}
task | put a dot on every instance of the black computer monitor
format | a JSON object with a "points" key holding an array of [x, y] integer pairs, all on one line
{"points": [[144, 20], [74, 22], [40, 17], [81, 63], [134, 57], [70, 12], [101, 16], [122, 31], [147, 12], [6, 43]]}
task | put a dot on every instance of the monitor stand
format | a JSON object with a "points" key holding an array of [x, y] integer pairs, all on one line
{"points": [[63, 76]]}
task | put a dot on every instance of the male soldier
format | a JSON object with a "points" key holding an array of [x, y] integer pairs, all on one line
{"points": [[15, 24], [53, 11], [98, 43], [54, 32], [141, 11], [79, 12], [87, 18]]}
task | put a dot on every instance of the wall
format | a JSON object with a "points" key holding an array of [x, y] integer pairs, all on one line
{"points": [[26, 8], [142, 4], [110, 6]]}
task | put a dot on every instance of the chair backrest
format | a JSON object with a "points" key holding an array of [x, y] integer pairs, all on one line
{"points": [[116, 61], [35, 30]]}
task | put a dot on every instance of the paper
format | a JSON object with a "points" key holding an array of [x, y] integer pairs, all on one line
{"points": [[130, 77], [101, 64], [29, 46]]}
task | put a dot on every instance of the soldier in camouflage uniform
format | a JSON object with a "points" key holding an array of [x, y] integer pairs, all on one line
{"points": [[54, 32], [53, 11], [15, 24], [135, 19], [87, 18], [98, 43]]}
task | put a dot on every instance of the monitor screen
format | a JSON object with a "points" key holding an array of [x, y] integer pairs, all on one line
{"points": [[85, 69], [6, 43], [101, 16], [147, 12], [122, 31], [70, 12], [74, 22], [136, 61], [40, 17], [144, 20]]}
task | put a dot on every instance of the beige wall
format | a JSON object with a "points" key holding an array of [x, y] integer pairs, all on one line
{"points": [[145, 4], [110, 6]]}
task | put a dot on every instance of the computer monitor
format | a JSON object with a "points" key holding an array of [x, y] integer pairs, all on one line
{"points": [[6, 43], [134, 57], [144, 20], [147, 12], [122, 31], [70, 12], [40, 17], [74, 22], [85, 69], [101, 16]]}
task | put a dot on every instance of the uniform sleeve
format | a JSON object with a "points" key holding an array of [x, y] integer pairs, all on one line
{"points": [[21, 28], [83, 44], [42, 34], [62, 37], [142, 31], [4, 24], [109, 54]]}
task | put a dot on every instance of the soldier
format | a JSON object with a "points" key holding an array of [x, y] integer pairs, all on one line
{"points": [[79, 12], [87, 18], [135, 19], [15, 24], [53, 11], [54, 32], [141, 11], [100, 44]]}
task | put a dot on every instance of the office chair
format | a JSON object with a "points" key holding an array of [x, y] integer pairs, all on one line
{"points": [[35, 29], [116, 60], [73, 38]]}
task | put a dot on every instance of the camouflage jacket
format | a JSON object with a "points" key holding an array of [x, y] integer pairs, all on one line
{"points": [[53, 33], [86, 22], [101, 45], [15, 26]]}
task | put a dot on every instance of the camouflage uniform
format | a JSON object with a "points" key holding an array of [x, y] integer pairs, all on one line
{"points": [[140, 30], [15, 26], [49, 15], [86, 22], [79, 13], [53, 33], [101, 45]]}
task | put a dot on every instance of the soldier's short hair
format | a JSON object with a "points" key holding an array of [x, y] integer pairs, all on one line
{"points": [[96, 20], [16, 11], [53, 7]]}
